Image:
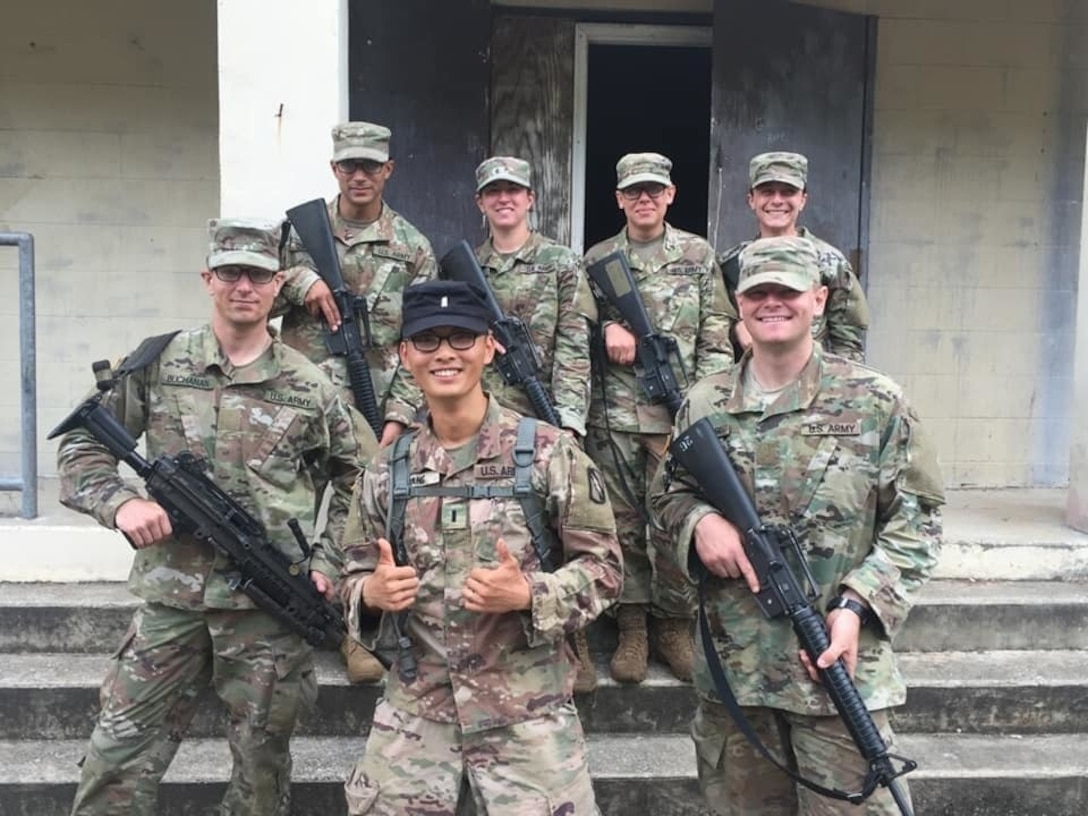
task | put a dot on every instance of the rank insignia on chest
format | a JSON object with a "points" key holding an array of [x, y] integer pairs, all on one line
{"points": [[424, 479], [493, 471], [824, 428]]}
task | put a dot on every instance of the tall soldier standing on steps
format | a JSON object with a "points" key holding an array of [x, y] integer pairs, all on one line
{"points": [[681, 287], [381, 254], [264, 419], [542, 283], [505, 544], [832, 450], [777, 194]]}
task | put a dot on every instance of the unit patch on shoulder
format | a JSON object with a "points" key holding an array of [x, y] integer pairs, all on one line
{"points": [[597, 492]]}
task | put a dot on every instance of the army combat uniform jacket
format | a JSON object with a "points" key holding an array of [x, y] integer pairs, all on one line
{"points": [[684, 294], [841, 457], [262, 428], [846, 316], [475, 670], [377, 261], [544, 284]]}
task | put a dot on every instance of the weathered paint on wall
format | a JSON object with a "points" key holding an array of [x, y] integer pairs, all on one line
{"points": [[108, 134]]}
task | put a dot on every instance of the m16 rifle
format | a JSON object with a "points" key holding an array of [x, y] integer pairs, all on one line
{"points": [[311, 222], [519, 363], [612, 280]]}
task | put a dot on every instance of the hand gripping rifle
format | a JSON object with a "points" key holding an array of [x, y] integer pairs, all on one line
{"points": [[311, 222], [611, 279], [520, 363], [781, 594], [197, 506]]}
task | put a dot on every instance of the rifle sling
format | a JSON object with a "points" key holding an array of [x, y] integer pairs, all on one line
{"points": [[729, 700]]}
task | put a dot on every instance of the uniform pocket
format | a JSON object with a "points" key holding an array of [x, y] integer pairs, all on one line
{"points": [[276, 456], [294, 691], [709, 739], [361, 794]]}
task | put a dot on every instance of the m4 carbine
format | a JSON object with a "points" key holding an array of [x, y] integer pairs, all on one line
{"points": [[311, 223], [611, 279], [197, 506], [699, 451], [519, 364]]}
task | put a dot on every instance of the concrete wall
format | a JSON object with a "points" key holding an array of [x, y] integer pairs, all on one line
{"points": [[108, 134], [977, 187]]}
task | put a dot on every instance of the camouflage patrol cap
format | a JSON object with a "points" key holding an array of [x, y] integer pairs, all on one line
{"points": [[443, 304], [643, 168], [503, 168], [789, 168], [245, 242], [789, 261], [360, 140]]}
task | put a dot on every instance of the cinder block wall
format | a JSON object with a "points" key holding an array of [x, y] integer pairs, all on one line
{"points": [[108, 155], [978, 169]]}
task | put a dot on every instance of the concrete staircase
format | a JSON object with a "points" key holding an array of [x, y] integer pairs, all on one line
{"points": [[997, 715]]}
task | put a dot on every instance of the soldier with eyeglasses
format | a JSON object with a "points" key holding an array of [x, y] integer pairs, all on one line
{"points": [[381, 254], [264, 420], [681, 286]]}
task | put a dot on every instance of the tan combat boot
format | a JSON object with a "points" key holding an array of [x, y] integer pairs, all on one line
{"points": [[585, 680], [363, 667], [629, 661], [673, 644]]}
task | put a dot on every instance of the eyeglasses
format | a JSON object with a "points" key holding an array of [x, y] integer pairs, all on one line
{"points": [[233, 274], [368, 166], [429, 341], [635, 191]]}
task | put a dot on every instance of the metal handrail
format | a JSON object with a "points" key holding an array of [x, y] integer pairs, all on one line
{"points": [[27, 481]]}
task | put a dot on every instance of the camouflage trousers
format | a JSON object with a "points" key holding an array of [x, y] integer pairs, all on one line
{"points": [[262, 672], [737, 781], [418, 767], [628, 462]]}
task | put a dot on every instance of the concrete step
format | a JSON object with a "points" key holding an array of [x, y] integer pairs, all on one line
{"points": [[949, 615], [957, 775], [56, 696], [999, 692]]}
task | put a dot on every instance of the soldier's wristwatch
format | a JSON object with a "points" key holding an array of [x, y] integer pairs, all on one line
{"points": [[839, 602]]}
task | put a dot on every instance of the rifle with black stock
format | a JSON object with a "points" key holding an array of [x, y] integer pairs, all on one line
{"points": [[520, 363], [197, 506], [611, 279], [699, 451], [311, 223]]}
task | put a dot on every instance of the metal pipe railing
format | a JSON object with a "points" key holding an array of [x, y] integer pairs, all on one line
{"points": [[27, 481]]}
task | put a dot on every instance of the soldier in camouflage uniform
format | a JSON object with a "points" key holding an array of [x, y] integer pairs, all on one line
{"points": [[682, 289], [777, 194], [264, 419], [380, 255], [489, 719], [833, 449], [543, 284]]}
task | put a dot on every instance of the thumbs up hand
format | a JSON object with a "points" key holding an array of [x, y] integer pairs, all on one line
{"points": [[389, 587], [495, 590]]}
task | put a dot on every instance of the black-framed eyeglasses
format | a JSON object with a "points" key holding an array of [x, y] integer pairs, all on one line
{"points": [[635, 191], [459, 340], [233, 274], [368, 166]]}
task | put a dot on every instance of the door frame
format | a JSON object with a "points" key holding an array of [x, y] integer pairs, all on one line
{"points": [[612, 34]]}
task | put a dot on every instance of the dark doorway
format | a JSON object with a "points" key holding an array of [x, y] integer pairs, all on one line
{"points": [[647, 99]]}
